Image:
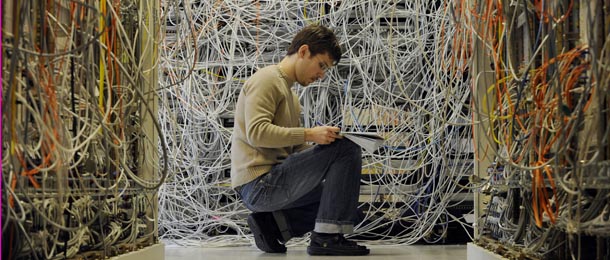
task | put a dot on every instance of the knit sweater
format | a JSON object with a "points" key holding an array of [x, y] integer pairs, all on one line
{"points": [[267, 126]]}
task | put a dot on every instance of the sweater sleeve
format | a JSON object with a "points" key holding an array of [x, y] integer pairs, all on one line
{"points": [[260, 108]]}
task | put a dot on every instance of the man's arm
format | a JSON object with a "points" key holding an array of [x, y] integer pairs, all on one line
{"points": [[261, 100]]}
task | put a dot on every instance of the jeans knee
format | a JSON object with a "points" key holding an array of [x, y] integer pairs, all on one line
{"points": [[350, 147], [344, 148]]}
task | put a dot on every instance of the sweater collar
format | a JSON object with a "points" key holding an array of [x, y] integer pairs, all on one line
{"points": [[289, 82]]}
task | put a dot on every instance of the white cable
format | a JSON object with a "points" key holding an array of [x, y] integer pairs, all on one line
{"points": [[390, 76]]}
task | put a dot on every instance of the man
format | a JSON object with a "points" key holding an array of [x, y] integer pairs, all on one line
{"points": [[292, 187]]}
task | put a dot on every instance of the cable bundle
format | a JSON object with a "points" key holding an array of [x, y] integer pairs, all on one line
{"points": [[399, 76], [547, 124], [75, 78]]}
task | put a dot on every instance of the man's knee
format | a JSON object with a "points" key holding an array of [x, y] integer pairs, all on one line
{"points": [[345, 144]]}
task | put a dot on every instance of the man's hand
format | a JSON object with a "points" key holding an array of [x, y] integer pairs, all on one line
{"points": [[322, 134]]}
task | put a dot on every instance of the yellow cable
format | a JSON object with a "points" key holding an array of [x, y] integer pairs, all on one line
{"points": [[222, 77], [102, 67]]}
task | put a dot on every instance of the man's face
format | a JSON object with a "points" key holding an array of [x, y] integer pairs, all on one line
{"points": [[311, 68]]}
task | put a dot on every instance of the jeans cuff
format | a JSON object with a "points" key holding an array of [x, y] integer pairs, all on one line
{"points": [[333, 228]]}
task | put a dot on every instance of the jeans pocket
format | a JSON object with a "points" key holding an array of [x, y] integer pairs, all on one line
{"points": [[267, 193], [258, 192]]}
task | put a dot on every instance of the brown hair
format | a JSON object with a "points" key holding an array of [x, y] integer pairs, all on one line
{"points": [[319, 39]]}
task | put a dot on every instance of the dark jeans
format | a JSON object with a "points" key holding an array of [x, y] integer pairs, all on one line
{"points": [[316, 189]]}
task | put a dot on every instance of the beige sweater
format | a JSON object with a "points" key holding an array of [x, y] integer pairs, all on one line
{"points": [[267, 125]]}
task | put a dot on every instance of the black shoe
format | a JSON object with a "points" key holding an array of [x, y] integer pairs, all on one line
{"points": [[265, 231], [334, 244]]}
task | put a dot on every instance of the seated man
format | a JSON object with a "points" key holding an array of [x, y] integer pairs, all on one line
{"points": [[292, 187]]}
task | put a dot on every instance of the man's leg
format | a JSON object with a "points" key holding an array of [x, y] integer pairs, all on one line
{"points": [[325, 174], [329, 174]]}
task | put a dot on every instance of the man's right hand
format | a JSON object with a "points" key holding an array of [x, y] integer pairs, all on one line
{"points": [[322, 134]]}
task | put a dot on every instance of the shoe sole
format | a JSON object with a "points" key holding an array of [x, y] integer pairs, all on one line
{"points": [[329, 251], [260, 240]]}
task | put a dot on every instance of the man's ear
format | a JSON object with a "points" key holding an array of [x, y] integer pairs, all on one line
{"points": [[303, 50]]}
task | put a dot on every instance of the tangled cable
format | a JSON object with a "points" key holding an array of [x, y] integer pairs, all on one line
{"points": [[79, 174], [398, 76]]}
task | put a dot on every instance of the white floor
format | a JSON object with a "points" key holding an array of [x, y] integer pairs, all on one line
{"points": [[414, 252]]}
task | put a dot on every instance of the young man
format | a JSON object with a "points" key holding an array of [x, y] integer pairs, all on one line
{"points": [[292, 187]]}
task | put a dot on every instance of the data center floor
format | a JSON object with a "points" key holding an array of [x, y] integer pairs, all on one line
{"points": [[415, 252]]}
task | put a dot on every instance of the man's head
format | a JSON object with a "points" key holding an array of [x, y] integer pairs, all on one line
{"points": [[316, 49]]}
